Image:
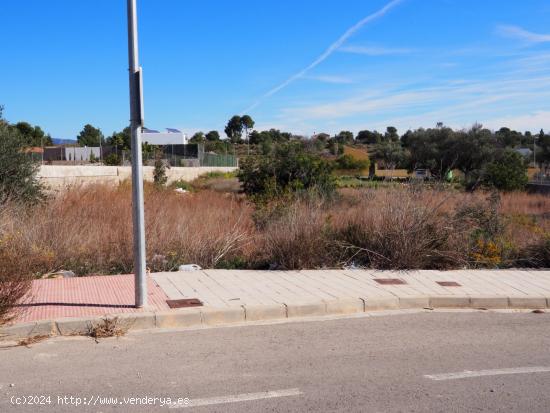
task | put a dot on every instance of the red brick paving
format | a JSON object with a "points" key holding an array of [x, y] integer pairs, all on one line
{"points": [[87, 296]]}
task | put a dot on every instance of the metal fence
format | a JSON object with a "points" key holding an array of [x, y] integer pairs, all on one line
{"points": [[210, 159], [190, 155]]}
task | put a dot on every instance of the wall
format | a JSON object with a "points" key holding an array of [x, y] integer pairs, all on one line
{"points": [[57, 176], [81, 154]]}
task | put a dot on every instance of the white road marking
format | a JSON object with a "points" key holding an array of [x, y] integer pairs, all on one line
{"points": [[234, 398], [480, 373]]}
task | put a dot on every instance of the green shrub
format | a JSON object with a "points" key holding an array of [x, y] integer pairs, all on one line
{"points": [[483, 217], [288, 170], [348, 182], [483, 221], [18, 172], [181, 184], [508, 172], [349, 163], [159, 173], [218, 174], [112, 159]]}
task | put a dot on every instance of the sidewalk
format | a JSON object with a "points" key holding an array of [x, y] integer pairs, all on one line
{"points": [[86, 296], [233, 288], [232, 296]]}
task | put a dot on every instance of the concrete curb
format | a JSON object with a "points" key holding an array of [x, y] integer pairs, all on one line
{"points": [[265, 312], [208, 316]]}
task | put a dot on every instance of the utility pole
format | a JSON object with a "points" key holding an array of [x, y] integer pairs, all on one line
{"points": [[136, 123], [100, 149], [535, 154]]}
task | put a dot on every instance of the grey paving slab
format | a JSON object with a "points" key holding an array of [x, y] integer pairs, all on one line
{"points": [[298, 292], [285, 292], [398, 290], [469, 285], [368, 285], [498, 286], [271, 288], [233, 288], [522, 281], [253, 283], [168, 287], [348, 279], [238, 290], [303, 282], [477, 282], [428, 285], [174, 285], [330, 283], [254, 288], [521, 285], [197, 282], [539, 279]]}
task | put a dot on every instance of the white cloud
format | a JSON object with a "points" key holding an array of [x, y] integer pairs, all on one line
{"points": [[517, 32], [374, 50], [528, 122], [365, 104], [515, 102], [329, 51], [448, 65], [331, 79]]}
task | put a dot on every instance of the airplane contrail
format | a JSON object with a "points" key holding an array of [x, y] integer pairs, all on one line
{"points": [[330, 50]]}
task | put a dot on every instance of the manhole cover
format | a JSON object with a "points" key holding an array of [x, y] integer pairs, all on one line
{"points": [[389, 281], [184, 302], [448, 283]]}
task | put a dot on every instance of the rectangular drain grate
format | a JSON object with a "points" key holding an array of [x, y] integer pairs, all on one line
{"points": [[184, 302], [389, 281], [448, 283]]}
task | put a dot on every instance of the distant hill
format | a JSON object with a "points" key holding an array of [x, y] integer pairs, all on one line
{"points": [[63, 141]]}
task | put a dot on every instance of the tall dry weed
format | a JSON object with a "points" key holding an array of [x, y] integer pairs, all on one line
{"points": [[15, 270], [297, 237], [401, 229], [89, 230]]}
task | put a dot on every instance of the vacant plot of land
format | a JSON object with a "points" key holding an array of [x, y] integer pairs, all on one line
{"points": [[88, 230]]}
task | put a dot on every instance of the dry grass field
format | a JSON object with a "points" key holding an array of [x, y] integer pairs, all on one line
{"points": [[88, 230]]}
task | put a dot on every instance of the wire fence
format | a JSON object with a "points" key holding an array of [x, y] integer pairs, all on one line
{"points": [[190, 155]]}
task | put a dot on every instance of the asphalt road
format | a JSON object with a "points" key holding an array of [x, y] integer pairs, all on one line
{"points": [[368, 364]]}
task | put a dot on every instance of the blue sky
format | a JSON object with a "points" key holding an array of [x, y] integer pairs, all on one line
{"points": [[304, 66]]}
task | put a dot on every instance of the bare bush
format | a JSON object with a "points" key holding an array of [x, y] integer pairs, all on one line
{"points": [[108, 327], [401, 230], [29, 341], [89, 230], [298, 238], [537, 254], [13, 288], [15, 270], [203, 228]]}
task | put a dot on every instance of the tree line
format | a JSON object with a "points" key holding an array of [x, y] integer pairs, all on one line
{"points": [[439, 150], [442, 149], [484, 157]]}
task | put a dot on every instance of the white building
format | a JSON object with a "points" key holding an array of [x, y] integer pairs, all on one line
{"points": [[170, 137]]}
